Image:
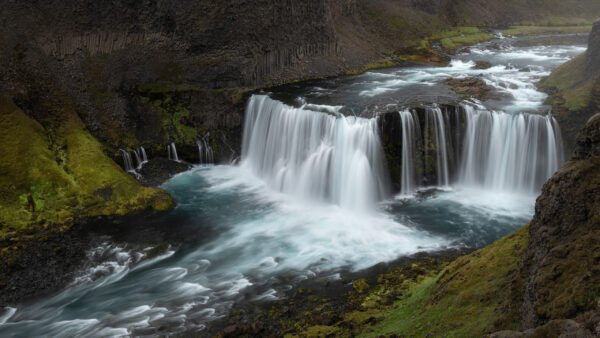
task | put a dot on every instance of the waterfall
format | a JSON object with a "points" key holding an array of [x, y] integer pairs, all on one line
{"points": [[493, 150], [435, 142], [128, 163], [205, 151], [144, 157], [140, 157], [172, 152], [509, 152], [410, 135], [314, 155]]}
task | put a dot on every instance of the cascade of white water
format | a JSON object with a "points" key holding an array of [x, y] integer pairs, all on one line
{"points": [[172, 152], [509, 152], [140, 157], [205, 150], [128, 163], [144, 156], [440, 146], [410, 129], [314, 155]]}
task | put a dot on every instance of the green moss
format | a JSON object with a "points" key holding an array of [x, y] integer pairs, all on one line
{"points": [[456, 32], [465, 40], [570, 79], [321, 331], [382, 63], [78, 181], [462, 301], [542, 30], [360, 285], [175, 116]]}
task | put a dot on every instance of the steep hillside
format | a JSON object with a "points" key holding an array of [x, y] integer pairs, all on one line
{"points": [[575, 90]]}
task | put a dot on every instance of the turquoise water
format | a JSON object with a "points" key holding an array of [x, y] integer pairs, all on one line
{"points": [[260, 243], [242, 241]]}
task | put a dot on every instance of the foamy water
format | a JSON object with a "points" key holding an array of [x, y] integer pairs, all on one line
{"points": [[267, 233]]}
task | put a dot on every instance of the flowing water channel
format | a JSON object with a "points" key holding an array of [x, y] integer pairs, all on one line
{"points": [[312, 195]]}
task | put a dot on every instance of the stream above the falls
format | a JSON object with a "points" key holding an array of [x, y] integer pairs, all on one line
{"points": [[311, 197]]}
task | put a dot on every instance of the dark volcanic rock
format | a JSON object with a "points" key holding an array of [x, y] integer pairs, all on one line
{"points": [[43, 266], [482, 65], [561, 264], [158, 170], [470, 86], [593, 53]]}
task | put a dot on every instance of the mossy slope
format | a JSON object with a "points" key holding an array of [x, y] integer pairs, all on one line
{"points": [[574, 90], [58, 172], [463, 300]]}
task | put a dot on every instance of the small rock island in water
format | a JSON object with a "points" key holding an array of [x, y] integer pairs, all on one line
{"points": [[280, 168]]}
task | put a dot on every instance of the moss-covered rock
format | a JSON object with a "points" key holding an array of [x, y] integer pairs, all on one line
{"points": [[470, 87], [56, 172]]}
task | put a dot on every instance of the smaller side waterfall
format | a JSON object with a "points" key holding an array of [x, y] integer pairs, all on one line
{"points": [[140, 157], [128, 163], [144, 156], [172, 152], [205, 151]]}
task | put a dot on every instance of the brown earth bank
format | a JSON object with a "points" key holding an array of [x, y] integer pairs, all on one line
{"points": [[82, 79]]}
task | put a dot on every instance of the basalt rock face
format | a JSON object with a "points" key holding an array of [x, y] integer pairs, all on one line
{"points": [[424, 143], [158, 71], [561, 266]]}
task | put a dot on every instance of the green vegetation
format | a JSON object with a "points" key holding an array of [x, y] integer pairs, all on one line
{"points": [[571, 81], [458, 37], [382, 63], [457, 31], [541, 30], [432, 296], [429, 298], [465, 40], [161, 98], [58, 173], [464, 300]]}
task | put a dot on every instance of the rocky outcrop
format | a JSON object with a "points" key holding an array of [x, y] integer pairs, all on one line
{"points": [[470, 87], [574, 90], [560, 268], [593, 53]]}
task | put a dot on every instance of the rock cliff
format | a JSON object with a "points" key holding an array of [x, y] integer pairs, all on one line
{"points": [[574, 90]]}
